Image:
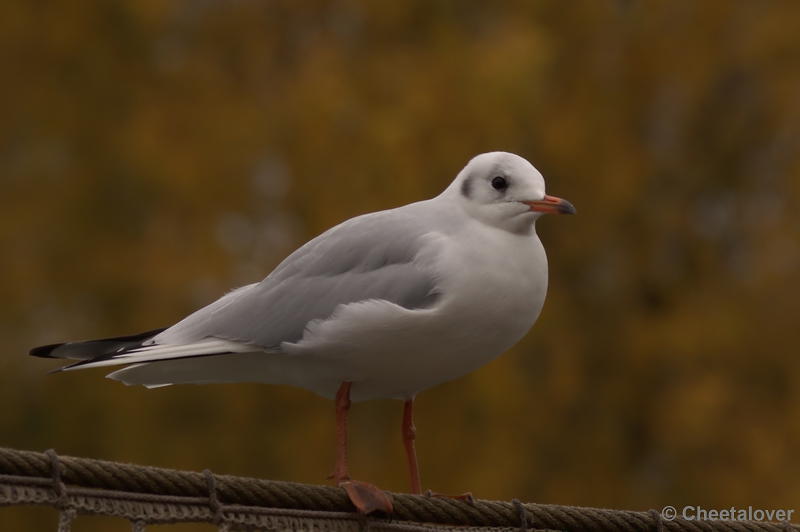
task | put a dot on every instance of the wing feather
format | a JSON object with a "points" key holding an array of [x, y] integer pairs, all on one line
{"points": [[375, 256]]}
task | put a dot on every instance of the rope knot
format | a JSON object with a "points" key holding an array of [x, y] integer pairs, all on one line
{"points": [[63, 503], [658, 519], [213, 501], [523, 515], [59, 488]]}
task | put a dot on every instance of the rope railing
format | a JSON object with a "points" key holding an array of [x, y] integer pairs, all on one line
{"points": [[151, 495]]}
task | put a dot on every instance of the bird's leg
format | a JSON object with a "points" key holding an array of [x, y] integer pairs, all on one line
{"points": [[340, 473], [365, 497], [409, 435]]}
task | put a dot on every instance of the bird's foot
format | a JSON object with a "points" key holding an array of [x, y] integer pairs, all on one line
{"points": [[367, 497], [463, 497]]}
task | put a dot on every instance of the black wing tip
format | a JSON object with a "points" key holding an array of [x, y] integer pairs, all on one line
{"points": [[44, 351]]}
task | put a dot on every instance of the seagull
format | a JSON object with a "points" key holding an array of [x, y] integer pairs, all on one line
{"points": [[384, 305]]}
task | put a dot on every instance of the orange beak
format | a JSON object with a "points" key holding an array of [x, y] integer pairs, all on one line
{"points": [[551, 205]]}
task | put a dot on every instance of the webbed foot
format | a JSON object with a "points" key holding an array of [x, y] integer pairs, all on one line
{"points": [[367, 497]]}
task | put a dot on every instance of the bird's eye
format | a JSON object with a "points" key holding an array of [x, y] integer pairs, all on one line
{"points": [[499, 183]]}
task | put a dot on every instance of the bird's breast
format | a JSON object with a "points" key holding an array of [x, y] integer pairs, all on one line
{"points": [[493, 284]]}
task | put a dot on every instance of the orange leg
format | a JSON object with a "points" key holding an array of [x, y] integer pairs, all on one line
{"points": [[340, 473], [365, 496], [409, 435]]}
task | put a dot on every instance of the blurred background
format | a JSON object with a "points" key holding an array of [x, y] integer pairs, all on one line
{"points": [[155, 154]]}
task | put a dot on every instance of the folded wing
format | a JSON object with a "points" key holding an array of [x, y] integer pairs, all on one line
{"points": [[372, 257]]}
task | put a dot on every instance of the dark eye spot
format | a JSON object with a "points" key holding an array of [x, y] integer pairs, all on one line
{"points": [[499, 183]]}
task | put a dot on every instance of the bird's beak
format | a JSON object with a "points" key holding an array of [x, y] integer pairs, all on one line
{"points": [[551, 205]]}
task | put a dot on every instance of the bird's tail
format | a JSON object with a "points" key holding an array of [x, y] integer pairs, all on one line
{"points": [[93, 349]]}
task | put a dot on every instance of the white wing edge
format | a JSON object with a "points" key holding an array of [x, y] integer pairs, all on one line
{"points": [[154, 353]]}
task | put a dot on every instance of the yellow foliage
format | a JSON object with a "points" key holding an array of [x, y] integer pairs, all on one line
{"points": [[155, 154]]}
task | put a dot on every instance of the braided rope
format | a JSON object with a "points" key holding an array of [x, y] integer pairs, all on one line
{"points": [[220, 499]]}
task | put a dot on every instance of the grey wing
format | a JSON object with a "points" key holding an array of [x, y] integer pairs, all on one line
{"points": [[369, 257]]}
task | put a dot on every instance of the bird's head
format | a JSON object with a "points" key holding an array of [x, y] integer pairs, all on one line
{"points": [[506, 191]]}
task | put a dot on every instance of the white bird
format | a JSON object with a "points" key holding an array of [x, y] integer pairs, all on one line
{"points": [[384, 305]]}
